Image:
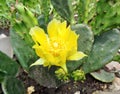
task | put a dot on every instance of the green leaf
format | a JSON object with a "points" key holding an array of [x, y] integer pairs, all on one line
{"points": [[23, 50], [42, 23], [12, 85], [7, 66], [103, 76], [45, 9], [105, 47], [86, 10], [44, 76], [26, 15], [2, 76], [20, 38], [85, 42], [102, 20], [4, 9], [63, 7]]}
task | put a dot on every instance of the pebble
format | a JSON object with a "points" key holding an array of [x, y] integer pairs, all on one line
{"points": [[5, 46], [77, 92]]}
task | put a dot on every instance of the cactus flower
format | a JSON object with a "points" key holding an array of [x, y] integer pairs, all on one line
{"points": [[56, 47]]}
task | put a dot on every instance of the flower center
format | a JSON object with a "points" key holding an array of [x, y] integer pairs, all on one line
{"points": [[56, 47]]}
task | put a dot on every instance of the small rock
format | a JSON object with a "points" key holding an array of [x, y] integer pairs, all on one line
{"points": [[2, 36], [77, 92], [113, 89], [30, 90], [5, 46], [113, 66], [106, 92], [116, 84], [119, 51]]}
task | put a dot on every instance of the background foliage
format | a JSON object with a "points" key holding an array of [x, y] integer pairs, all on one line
{"points": [[99, 36]]}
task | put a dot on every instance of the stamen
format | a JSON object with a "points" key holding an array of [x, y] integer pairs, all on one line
{"points": [[55, 44]]}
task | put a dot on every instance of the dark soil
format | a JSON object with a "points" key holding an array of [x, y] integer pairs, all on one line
{"points": [[87, 87], [4, 31]]}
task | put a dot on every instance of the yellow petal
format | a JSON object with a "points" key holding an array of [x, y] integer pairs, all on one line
{"points": [[52, 28], [39, 35], [71, 39], [77, 56], [52, 60], [62, 28], [38, 62], [39, 50]]}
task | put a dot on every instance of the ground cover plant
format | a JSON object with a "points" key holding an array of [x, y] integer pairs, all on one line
{"points": [[58, 41]]}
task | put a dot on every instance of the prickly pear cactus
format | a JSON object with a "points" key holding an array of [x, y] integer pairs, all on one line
{"points": [[85, 42], [50, 80], [86, 37], [44, 76], [104, 48]]}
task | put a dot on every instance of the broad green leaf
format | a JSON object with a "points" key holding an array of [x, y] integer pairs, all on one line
{"points": [[7, 66], [63, 7], [42, 23], [12, 85], [2, 76], [105, 47]]}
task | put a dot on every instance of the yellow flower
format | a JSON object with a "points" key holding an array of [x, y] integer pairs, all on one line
{"points": [[59, 45]]}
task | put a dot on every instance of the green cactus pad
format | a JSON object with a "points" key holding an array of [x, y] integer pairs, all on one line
{"points": [[44, 76], [12, 85], [103, 76], [85, 42], [105, 47]]}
